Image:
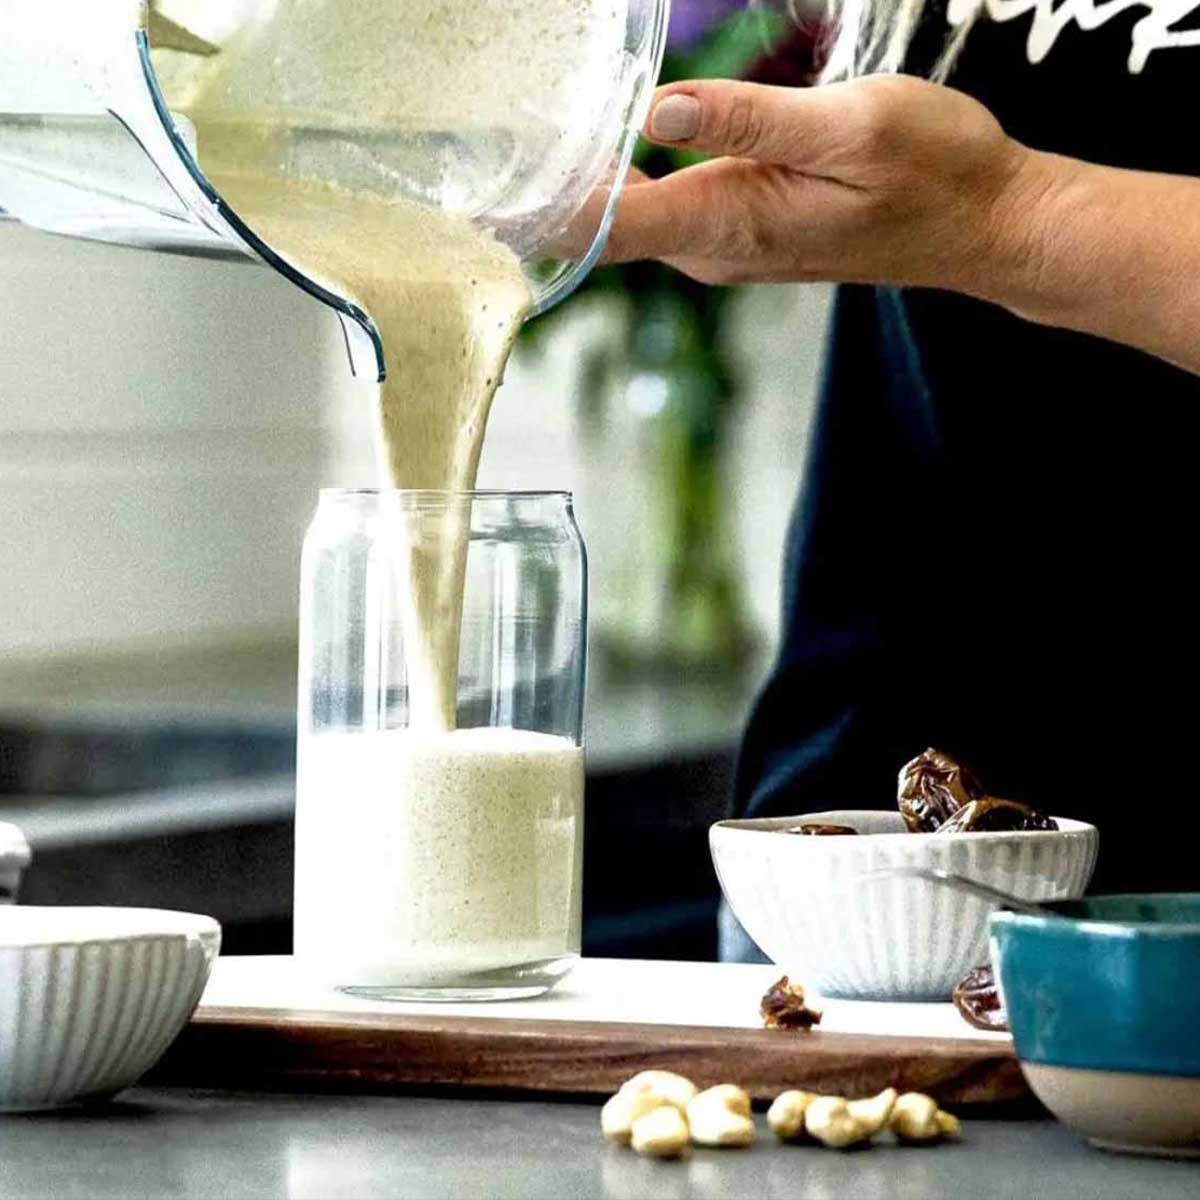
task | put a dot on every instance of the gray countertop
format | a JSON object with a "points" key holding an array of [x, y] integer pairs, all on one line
{"points": [[167, 1143]]}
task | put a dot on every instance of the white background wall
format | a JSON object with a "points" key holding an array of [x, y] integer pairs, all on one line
{"points": [[165, 423]]}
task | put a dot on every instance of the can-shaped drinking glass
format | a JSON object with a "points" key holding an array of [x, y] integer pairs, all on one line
{"points": [[439, 792]]}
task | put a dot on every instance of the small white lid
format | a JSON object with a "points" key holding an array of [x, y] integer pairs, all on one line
{"points": [[14, 849]]}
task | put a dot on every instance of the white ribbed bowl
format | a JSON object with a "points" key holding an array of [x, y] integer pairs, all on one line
{"points": [[803, 901], [90, 998]]}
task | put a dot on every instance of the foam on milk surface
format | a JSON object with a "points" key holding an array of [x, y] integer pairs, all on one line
{"points": [[440, 854]]}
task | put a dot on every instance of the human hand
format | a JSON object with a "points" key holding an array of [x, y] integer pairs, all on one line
{"points": [[886, 179]]}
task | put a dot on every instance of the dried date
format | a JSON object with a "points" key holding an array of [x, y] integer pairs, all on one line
{"points": [[993, 815], [978, 1000], [932, 788], [816, 829], [783, 1007]]}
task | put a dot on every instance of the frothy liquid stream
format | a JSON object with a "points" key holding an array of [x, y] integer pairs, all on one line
{"points": [[448, 301]]}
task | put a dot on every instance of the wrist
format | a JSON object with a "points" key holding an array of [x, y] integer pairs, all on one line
{"points": [[1030, 266], [1100, 250]]}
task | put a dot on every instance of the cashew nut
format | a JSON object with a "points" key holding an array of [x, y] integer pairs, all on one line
{"points": [[643, 1093], [949, 1124], [829, 1120], [786, 1115], [622, 1110], [669, 1088], [917, 1118], [721, 1116], [661, 1133], [873, 1114]]}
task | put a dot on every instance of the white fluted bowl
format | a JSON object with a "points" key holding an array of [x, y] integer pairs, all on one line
{"points": [[803, 899], [90, 998]]}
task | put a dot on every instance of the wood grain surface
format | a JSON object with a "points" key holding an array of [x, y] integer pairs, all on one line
{"points": [[282, 1048]]}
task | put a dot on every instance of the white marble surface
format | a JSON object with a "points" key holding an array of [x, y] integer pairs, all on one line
{"points": [[716, 995]]}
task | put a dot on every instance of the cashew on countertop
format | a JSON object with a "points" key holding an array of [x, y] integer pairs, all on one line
{"points": [[721, 1117], [916, 1118], [662, 1133], [660, 1114], [641, 1097]]}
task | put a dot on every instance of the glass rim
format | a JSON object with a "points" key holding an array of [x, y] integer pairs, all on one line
{"points": [[340, 493]]}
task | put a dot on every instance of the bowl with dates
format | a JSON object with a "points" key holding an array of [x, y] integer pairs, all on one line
{"points": [[825, 896]]}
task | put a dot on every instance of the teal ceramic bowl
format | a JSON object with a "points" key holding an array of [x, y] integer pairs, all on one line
{"points": [[1103, 1001]]}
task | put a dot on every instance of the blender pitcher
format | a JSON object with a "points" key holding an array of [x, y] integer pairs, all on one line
{"points": [[520, 115]]}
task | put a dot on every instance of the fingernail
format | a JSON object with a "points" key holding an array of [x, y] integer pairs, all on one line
{"points": [[675, 119]]}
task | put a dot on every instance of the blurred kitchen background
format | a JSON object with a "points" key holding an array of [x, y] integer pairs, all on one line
{"points": [[165, 423]]}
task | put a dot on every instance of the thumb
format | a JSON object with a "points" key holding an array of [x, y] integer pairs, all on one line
{"points": [[702, 211], [742, 120]]}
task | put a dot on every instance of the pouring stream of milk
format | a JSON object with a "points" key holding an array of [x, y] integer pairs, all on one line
{"points": [[448, 300]]}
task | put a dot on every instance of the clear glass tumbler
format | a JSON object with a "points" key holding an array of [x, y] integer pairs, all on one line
{"points": [[439, 793]]}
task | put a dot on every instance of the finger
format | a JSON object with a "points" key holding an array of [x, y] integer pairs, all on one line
{"points": [[701, 210], [790, 126], [572, 242]]}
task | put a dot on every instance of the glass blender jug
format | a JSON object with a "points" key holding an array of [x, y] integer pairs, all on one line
{"points": [[520, 115]]}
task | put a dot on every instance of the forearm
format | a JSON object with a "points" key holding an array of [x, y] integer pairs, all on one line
{"points": [[1103, 251], [892, 179]]}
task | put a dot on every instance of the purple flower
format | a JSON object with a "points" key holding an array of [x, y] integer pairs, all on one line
{"points": [[692, 19]]}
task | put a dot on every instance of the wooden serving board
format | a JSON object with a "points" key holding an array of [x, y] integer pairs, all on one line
{"points": [[262, 1025]]}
